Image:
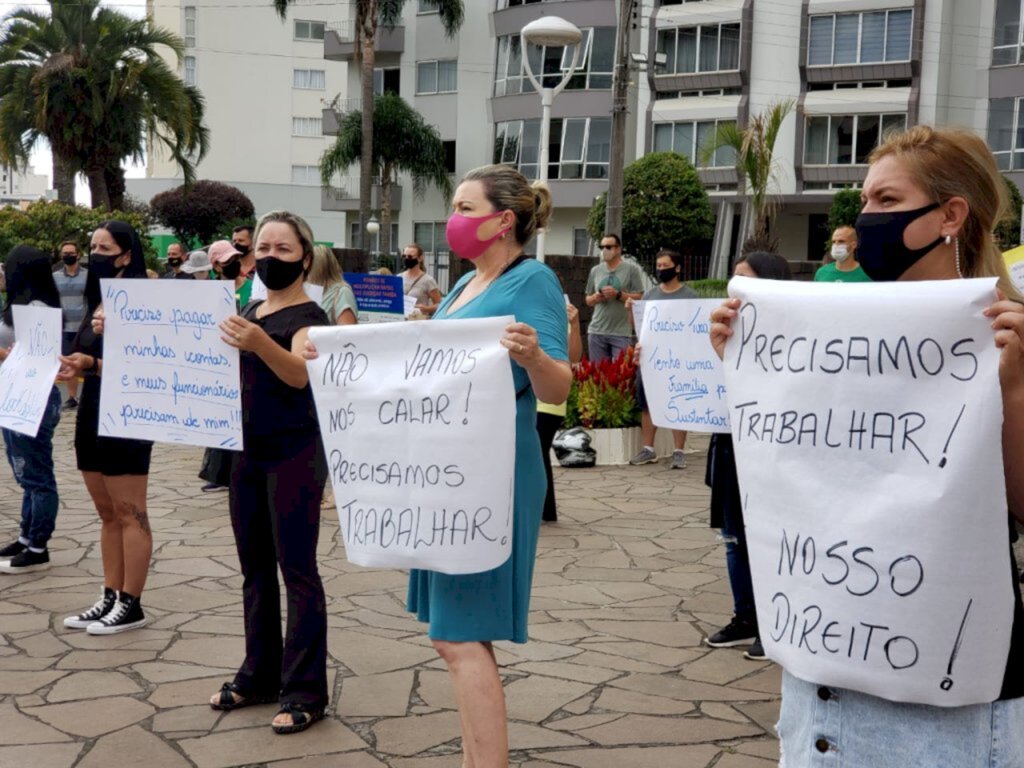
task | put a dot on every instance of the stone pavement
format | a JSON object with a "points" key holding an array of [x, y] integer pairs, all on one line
{"points": [[628, 581]]}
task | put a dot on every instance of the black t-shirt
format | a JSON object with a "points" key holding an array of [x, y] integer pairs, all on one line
{"points": [[91, 344], [276, 417]]}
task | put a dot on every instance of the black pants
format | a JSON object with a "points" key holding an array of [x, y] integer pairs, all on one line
{"points": [[547, 425], [275, 513]]}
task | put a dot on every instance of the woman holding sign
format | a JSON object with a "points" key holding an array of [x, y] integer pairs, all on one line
{"points": [[30, 282], [496, 212], [930, 201], [115, 470], [276, 486]]}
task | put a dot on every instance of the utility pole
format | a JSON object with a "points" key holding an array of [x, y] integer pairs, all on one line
{"points": [[620, 108]]}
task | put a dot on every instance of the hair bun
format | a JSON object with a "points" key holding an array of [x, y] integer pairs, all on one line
{"points": [[542, 204]]}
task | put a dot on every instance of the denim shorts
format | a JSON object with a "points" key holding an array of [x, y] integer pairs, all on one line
{"points": [[834, 727]]}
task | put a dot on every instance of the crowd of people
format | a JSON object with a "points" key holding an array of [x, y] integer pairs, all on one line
{"points": [[931, 199]]}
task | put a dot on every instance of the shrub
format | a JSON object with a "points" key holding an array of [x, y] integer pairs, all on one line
{"points": [[198, 213], [603, 395]]}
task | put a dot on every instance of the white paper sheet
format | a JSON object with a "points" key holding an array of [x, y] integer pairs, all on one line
{"points": [[26, 377]]}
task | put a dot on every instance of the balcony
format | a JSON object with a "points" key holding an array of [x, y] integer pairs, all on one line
{"points": [[340, 41], [344, 196], [335, 112]]}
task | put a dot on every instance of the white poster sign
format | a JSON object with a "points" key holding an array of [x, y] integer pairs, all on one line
{"points": [[418, 422], [167, 376], [259, 290], [26, 377], [866, 421], [682, 376]]}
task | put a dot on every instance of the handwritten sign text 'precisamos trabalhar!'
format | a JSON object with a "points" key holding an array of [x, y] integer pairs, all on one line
{"points": [[867, 423]]}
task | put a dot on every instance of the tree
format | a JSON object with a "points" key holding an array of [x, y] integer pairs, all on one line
{"points": [[1007, 231], [403, 143], [665, 205], [845, 209], [197, 212], [93, 83], [368, 14], [754, 148]]}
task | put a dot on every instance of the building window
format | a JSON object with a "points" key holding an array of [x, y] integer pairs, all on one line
{"points": [[190, 70], [449, 156], [707, 48], [847, 139], [386, 81], [580, 241], [309, 30], [309, 79], [1006, 132], [578, 149], [436, 76], [860, 38], [690, 138], [373, 241], [307, 126], [1008, 41], [593, 69], [430, 236], [306, 175], [514, 3], [190, 26]]}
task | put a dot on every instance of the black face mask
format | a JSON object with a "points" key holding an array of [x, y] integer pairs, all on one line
{"points": [[412, 263], [232, 270], [277, 274], [102, 265], [880, 248], [174, 263], [69, 260], [666, 275], [242, 249]]}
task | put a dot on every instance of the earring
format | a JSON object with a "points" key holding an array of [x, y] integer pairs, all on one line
{"points": [[956, 246], [949, 238]]}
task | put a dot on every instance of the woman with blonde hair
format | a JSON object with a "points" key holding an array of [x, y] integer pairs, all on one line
{"points": [[338, 301], [930, 201]]}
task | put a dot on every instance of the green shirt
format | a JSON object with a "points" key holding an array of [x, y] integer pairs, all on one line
{"points": [[611, 317], [830, 273], [243, 293]]}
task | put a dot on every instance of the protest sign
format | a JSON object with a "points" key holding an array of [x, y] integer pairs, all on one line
{"points": [[682, 376], [408, 305], [167, 376], [866, 422], [259, 290], [26, 377], [418, 422], [380, 298]]}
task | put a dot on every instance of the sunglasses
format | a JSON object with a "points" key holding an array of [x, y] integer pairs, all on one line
{"points": [[608, 247]]}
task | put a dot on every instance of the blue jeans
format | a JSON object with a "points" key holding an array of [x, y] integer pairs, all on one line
{"points": [[31, 460], [737, 561], [838, 728], [604, 346]]}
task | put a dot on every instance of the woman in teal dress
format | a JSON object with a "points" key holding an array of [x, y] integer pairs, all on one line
{"points": [[496, 212]]}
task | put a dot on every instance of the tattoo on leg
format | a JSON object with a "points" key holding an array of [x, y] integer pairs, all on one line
{"points": [[141, 518]]}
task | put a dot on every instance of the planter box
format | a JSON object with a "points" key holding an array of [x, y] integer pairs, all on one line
{"points": [[618, 446]]}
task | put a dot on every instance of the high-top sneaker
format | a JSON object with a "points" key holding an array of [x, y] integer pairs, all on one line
{"points": [[125, 615], [97, 612]]}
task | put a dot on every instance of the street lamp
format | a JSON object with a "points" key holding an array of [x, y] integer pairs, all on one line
{"points": [[554, 32], [373, 228]]}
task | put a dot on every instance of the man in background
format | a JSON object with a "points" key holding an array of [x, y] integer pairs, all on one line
{"points": [[70, 279]]}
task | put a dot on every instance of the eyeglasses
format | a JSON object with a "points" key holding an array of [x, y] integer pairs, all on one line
{"points": [[608, 247]]}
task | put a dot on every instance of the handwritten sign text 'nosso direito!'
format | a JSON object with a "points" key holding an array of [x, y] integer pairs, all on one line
{"points": [[867, 423], [26, 377], [682, 376], [167, 376], [418, 422]]}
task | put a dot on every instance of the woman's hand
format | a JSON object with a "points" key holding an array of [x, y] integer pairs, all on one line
{"points": [[721, 325], [71, 366], [309, 351], [629, 303], [522, 344], [242, 334], [98, 320], [1008, 324]]}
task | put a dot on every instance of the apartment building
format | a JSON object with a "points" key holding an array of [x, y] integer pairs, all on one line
{"points": [[19, 187]]}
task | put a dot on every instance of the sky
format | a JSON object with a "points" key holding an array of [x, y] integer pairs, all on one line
{"points": [[40, 158]]}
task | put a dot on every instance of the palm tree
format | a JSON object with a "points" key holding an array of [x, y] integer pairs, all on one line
{"points": [[93, 83], [403, 143], [370, 14], [754, 148]]}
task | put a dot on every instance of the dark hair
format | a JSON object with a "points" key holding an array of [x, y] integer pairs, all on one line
{"points": [[768, 266], [677, 258], [243, 228], [128, 241], [60, 247], [614, 237], [29, 278]]}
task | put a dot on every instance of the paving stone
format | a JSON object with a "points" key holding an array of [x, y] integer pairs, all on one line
{"points": [[193, 566], [226, 652], [617, 700], [535, 698], [348, 760], [413, 734], [435, 688], [732, 760], [40, 756], [579, 722], [695, 756], [645, 729], [721, 711], [166, 672], [132, 743], [27, 682], [24, 622], [186, 692], [103, 659], [42, 645], [262, 745], [16, 728], [91, 685], [368, 657], [385, 695], [684, 690], [527, 736], [198, 717], [85, 718]]}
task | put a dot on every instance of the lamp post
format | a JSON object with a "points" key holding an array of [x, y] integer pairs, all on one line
{"points": [[373, 228], [555, 32]]}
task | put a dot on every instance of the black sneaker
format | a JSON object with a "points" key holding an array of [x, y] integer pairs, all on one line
{"points": [[211, 487], [12, 549], [736, 632], [98, 611], [125, 615], [70, 404], [26, 561], [755, 652]]}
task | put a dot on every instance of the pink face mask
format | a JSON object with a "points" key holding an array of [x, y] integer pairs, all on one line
{"points": [[462, 235]]}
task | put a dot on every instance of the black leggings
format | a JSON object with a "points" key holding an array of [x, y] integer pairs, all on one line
{"points": [[547, 425]]}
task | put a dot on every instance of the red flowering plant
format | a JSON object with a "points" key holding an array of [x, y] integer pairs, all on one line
{"points": [[603, 394]]}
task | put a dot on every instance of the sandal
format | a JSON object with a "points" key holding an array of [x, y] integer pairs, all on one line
{"points": [[227, 700], [302, 718]]}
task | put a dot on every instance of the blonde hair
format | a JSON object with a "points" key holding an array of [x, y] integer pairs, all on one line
{"points": [[508, 190], [299, 226], [953, 162], [325, 270]]}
